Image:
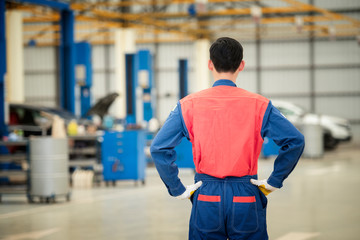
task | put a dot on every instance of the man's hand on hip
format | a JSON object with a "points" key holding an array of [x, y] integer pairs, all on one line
{"points": [[189, 191], [264, 187]]}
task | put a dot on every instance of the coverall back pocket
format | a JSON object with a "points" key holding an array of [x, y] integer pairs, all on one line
{"points": [[244, 214], [208, 213]]}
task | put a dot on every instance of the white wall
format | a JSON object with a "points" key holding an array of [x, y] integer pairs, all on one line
{"points": [[40, 76], [168, 75], [103, 70]]}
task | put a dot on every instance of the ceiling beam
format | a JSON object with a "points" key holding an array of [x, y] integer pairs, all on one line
{"points": [[103, 17], [323, 11]]}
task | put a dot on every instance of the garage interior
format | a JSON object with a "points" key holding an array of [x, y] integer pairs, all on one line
{"points": [[86, 85]]}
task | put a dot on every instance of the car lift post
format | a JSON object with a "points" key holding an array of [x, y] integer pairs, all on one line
{"points": [[132, 106], [184, 149], [183, 78], [145, 81], [67, 61], [84, 75], [3, 129], [67, 53]]}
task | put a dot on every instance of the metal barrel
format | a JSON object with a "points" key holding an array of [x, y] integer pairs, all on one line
{"points": [[49, 171], [314, 142]]}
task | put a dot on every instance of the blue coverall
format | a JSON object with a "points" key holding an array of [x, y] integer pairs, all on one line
{"points": [[229, 207]]}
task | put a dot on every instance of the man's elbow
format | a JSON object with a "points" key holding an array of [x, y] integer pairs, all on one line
{"points": [[156, 149], [153, 149], [300, 140]]}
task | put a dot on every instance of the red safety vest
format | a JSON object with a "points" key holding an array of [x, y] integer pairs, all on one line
{"points": [[224, 125]]}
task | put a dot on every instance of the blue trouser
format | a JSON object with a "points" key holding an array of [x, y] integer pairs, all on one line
{"points": [[230, 208]]}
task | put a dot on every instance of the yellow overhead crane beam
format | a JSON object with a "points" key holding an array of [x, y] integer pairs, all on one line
{"points": [[172, 28], [75, 6], [328, 13], [93, 24], [96, 24], [136, 16], [142, 30], [148, 21], [231, 12], [227, 12], [247, 37], [103, 18]]}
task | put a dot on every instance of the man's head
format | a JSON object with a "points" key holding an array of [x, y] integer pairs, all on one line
{"points": [[226, 55]]}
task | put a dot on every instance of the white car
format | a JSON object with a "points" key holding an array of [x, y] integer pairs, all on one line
{"points": [[335, 129]]}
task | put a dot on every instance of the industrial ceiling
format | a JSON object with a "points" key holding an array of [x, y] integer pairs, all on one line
{"points": [[187, 20]]}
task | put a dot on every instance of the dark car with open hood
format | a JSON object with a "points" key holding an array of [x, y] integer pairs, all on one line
{"points": [[34, 120]]}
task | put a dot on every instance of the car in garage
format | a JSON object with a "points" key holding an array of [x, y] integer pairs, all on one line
{"points": [[335, 129], [30, 119]]}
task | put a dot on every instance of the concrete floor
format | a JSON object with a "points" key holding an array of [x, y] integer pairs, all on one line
{"points": [[320, 200]]}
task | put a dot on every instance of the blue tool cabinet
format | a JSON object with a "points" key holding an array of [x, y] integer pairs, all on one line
{"points": [[123, 155], [184, 154]]}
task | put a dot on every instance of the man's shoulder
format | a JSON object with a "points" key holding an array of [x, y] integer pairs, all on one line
{"points": [[195, 95], [248, 94], [230, 92]]}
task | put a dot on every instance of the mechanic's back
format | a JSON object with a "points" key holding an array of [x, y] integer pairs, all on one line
{"points": [[226, 126]]}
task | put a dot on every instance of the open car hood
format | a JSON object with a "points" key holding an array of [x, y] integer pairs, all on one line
{"points": [[102, 106]]}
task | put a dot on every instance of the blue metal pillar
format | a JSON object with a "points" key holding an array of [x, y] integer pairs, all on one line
{"points": [[3, 129], [183, 78], [184, 149], [145, 71], [83, 58], [131, 84], [67, 49], [67, 61]]}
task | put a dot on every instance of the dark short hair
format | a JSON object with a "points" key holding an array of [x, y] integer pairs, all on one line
{"points": [[226, 54]]}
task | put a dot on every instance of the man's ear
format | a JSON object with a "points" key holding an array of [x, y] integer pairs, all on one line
{"points": [[210, 65], [241, 66]]}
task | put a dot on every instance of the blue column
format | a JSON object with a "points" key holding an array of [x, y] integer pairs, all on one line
{"points": [[131, 84], [85, 100], [83, 57], [183, 78], [67, 61], [184, 149], [145, 64], [3, 129]]}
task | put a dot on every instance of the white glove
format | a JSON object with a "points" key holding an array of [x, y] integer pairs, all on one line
{"points": [[264, 187], [189, 191]]}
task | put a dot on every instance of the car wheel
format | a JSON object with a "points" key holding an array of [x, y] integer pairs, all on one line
{"points": [[330, 143]]}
